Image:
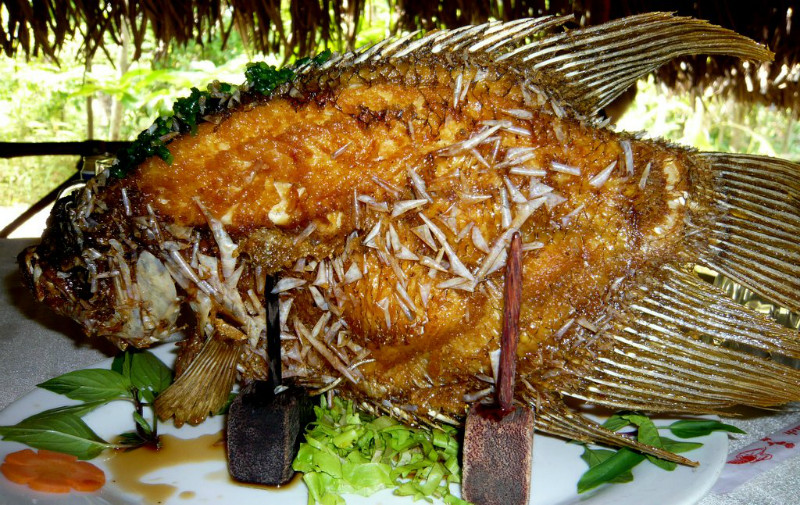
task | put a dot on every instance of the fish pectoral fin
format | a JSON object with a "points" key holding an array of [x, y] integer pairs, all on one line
{"points": [[682, 345], [754, 239], [553, 416], [204, 387], [594, 65]]}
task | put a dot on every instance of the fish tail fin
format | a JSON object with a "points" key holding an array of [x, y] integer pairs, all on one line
{"points": [[682, 345], [594, 65], [755, 234], [204, 386]]}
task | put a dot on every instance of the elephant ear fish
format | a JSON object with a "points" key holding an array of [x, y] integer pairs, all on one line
{"points": [[379, 190]]}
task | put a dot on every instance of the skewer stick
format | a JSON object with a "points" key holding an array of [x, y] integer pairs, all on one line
{"points": [[498, 438], [510, 336], [267, 419]]}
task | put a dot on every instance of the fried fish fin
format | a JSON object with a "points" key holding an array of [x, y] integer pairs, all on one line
{"points": [[682, 345], [755, 239], [488, 41], [204, 387], [592, 66], [554, 417]]}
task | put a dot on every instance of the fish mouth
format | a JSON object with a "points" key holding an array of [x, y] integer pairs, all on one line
{"points": [[53, 269]]}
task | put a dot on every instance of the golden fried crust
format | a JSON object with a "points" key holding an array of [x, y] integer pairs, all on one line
{"points": [[277, 165]]}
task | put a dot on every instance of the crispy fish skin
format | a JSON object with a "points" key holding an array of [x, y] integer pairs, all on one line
{"points": [[382, 188]]}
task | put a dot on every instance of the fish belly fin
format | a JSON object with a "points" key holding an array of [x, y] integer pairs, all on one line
{"points": [[682, 345], [590, 67], [204, 386], [553, 416], [754, 238]]}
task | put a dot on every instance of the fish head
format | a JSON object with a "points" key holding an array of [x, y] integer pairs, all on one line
{"points": [[85, 269]]}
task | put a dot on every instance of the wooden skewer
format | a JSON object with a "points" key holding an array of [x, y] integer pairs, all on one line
{"points": [[510, 336], [498, 438], [267, 419]]}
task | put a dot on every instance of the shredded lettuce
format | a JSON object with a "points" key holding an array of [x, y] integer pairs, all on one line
{"points": [[346, 451]]}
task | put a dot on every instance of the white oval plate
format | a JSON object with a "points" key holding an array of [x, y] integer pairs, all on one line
{"points": [[556, 468]]}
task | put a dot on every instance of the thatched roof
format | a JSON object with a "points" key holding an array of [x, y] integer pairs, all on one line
{"points": [[42, 26]]}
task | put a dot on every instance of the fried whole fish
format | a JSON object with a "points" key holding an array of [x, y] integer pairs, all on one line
{"points": [[381, 188]]}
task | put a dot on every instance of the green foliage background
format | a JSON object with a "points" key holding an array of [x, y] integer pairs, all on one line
{"points": [[44, 102]]}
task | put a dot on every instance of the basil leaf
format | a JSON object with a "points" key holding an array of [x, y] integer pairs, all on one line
{"points": [[662, 463], [65, 433], [132, 440], [677, 447], [648, 433], [142, 422], [690, 428], [77, 410], [148, 372], [594, 457], [616, 422], [122, 363], [90, 385], [674, 447], [146, 395], [613, 467]]}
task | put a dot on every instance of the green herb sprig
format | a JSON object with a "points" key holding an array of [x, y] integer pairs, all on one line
{"points": [[614, 466], [190, 111], [350, 452], [136, 377]]}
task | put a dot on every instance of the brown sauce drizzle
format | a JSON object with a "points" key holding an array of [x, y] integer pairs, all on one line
{"points": [[128, 468]]}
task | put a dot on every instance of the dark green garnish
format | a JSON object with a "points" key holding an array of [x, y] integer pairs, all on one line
{"points": [[265, 78], [137, 377], [191, 108], [317, 60], [614, 466], [148, 143], [188, 112]]}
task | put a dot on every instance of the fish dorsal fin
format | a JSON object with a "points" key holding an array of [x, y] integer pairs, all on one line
{"points": [[590, 67], [486, 42], [586, 68]]}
